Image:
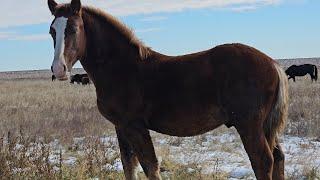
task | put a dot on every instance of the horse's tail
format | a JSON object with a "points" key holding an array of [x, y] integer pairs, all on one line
{"points": [[278, 114], [315, 72]]}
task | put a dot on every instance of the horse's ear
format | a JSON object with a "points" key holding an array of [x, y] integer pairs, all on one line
{"points": [[52, 6], [76, 6]]}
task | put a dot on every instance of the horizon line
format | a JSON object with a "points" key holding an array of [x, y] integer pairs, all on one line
{"points": [[279, 59]]}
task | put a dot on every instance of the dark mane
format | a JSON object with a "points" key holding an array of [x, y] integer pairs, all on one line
{"points": [[144, 51]]}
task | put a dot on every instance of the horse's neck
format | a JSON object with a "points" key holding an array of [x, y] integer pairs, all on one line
{"points": [[107, 50], [104, 42]]}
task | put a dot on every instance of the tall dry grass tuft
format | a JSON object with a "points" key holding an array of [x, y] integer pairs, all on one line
{"points": [[22, 157]]}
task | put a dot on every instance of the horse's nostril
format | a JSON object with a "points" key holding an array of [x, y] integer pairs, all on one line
{"points": [[64, 68], [51, 69]]}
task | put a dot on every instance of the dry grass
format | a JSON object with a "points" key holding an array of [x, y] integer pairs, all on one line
{"points": [[308, 174], [44, 108], [304, 111], [22, 157]]}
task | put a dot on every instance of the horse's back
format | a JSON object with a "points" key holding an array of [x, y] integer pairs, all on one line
{"points": [[211, 70]]}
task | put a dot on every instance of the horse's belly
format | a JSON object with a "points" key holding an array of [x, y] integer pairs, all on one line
{"points": [[187, 122]]}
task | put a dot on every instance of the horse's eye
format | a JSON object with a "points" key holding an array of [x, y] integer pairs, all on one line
{"points": [[71, 31], [51, 31]]}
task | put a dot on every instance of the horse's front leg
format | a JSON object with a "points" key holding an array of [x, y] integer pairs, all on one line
{"points": [[140, 141], [128, 158]]}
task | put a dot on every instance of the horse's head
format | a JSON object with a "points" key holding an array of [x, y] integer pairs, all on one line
{"points": [[67, 31]]}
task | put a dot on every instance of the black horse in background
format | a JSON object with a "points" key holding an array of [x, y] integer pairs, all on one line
{"points": [[302, 70], [80, 78]]}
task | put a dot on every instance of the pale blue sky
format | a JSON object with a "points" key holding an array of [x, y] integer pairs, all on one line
{"points": [[280, 28]]}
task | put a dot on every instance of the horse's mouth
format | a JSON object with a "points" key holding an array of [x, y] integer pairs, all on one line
{"points": [[63, 78]]}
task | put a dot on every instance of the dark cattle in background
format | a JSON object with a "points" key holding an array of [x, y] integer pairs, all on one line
{"points": [[53, 77], [77, 78], [85, 81], [302, 70]]}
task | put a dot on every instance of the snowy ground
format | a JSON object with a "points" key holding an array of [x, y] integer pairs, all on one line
{"points": [[211, 153], [224, 153]]}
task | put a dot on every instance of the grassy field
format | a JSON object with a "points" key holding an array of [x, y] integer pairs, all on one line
{"points": [[43, 108], [35, 112]]}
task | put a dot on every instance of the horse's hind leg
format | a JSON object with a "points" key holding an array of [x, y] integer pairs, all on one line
{"points": [[141, 143], [311, 76], [128, 157], [257, 148], [293, 78], [278, 166]]}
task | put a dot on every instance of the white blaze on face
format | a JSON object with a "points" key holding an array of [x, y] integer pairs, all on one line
{"points": [[59, 26]]}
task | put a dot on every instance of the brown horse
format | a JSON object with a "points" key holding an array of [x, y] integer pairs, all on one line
{"points": [[139, 89]]}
